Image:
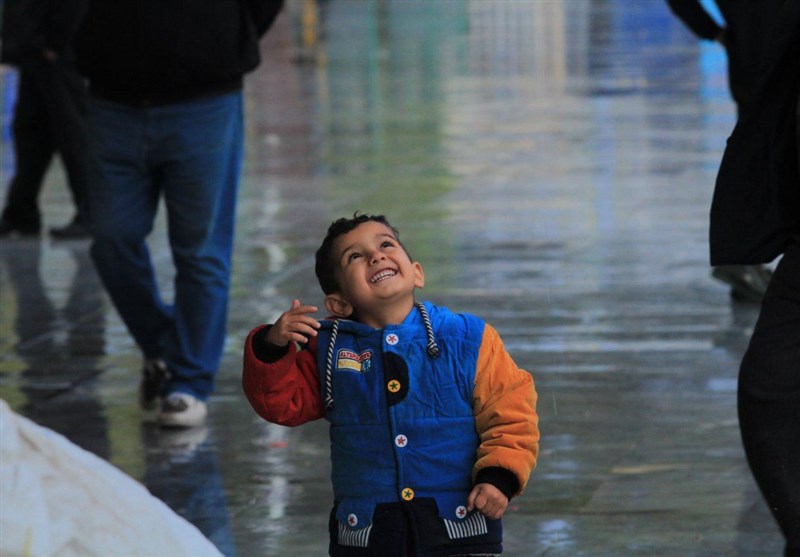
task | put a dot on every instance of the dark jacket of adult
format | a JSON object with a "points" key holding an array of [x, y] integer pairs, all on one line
{"points": [[150, 52], [746, 32], [32, 26], [755, 212]]}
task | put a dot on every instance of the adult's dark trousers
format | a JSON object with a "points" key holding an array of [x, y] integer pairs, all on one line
{"points": [[49, 118], [769, 398]]}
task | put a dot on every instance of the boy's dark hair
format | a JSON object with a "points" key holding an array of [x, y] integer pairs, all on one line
{"points": [[325, 263]]}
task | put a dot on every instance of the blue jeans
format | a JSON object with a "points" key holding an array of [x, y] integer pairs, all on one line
{"points": [[191, 153]]}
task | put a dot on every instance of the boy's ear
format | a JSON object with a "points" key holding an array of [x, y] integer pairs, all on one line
{"points": [[419, 274], [338, 306]]}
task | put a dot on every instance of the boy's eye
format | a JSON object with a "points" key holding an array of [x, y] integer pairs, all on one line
{"points": [[353, 256], [387, 244]]}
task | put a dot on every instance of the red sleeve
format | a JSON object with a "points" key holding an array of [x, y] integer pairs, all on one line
{"points": [[285, 391]]}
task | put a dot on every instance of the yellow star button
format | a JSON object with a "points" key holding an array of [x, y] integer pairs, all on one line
{"points": [[393, 386], [407, 494]]}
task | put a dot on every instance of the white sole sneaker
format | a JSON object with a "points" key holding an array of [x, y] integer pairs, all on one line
{"points": [[182, 410]]}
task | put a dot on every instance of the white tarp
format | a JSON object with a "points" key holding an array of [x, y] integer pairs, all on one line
{"points": [[57, 499]]}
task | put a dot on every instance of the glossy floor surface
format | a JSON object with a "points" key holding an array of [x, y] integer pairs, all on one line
{"points": [[551, 164]]}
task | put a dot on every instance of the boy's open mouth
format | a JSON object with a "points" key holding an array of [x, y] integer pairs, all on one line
{"points": [[381, 275]]}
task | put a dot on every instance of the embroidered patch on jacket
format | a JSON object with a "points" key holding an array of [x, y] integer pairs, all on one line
{"points": [[349, 360]]}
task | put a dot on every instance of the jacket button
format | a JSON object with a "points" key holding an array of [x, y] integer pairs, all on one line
{"points": [[392, 339], [401, 440], [461, 511], [352, 520], [393, 386], [407, 494]]}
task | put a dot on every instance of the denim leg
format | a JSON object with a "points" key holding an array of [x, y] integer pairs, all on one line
{"points": [[64, 94], [199, 158], [34, 144], [122, 200], [192, 154]]}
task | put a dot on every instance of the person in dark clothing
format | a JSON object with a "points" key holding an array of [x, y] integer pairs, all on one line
{"points": [[165, 118], [755, 218], [743, 37], [49, 116]]}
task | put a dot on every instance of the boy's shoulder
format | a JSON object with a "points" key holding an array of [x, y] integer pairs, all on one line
{"points": [[447, 321]]}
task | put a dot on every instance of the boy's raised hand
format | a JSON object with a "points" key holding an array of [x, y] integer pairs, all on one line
{"points": [[488, 500], [294, 325]]}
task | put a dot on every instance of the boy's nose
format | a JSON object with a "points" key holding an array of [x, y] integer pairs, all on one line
{"points": [[375, 257]]}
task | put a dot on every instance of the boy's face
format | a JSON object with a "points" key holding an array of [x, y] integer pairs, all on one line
{"points": [[374, 272]]}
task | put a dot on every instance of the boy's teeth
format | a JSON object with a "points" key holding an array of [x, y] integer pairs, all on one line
{"points": [[381, 275]]}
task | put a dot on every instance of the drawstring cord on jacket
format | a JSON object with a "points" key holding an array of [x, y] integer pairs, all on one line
{"points": [[433, 351], [329, 367], [433, 348]]}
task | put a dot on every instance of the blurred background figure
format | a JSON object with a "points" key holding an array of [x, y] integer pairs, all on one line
{"points": [[743, 34], [755, 218], [308, 19], [49, 116]]}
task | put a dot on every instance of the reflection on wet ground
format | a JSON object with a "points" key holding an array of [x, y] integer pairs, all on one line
{"points": [[551, 164]]}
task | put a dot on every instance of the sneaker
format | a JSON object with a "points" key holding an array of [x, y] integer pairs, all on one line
{"points": [[154, 373], [182, 410], [748, 282], [73, 231]]}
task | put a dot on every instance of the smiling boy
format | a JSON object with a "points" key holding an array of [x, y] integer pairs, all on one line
{"points": [[433, 426]]}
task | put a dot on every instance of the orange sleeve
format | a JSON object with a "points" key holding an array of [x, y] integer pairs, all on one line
{"points": [[505, 412]]}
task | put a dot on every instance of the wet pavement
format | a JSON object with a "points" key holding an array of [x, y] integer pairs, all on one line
{"points": [[551, 164]]}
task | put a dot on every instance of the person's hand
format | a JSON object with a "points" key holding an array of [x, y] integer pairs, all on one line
{"points": [[294, 325], [488, 500]]}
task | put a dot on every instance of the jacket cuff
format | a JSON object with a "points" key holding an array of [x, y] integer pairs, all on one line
{"points": [[264, 351], [504, 480]]}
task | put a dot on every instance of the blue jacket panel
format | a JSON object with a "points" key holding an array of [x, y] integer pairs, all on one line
{"points": [[402, 423]]}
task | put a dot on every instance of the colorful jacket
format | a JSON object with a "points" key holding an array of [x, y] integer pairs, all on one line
{"points": [[417, 410]]}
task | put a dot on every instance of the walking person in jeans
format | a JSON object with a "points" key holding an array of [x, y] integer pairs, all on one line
{"points": [[166, 120]]}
